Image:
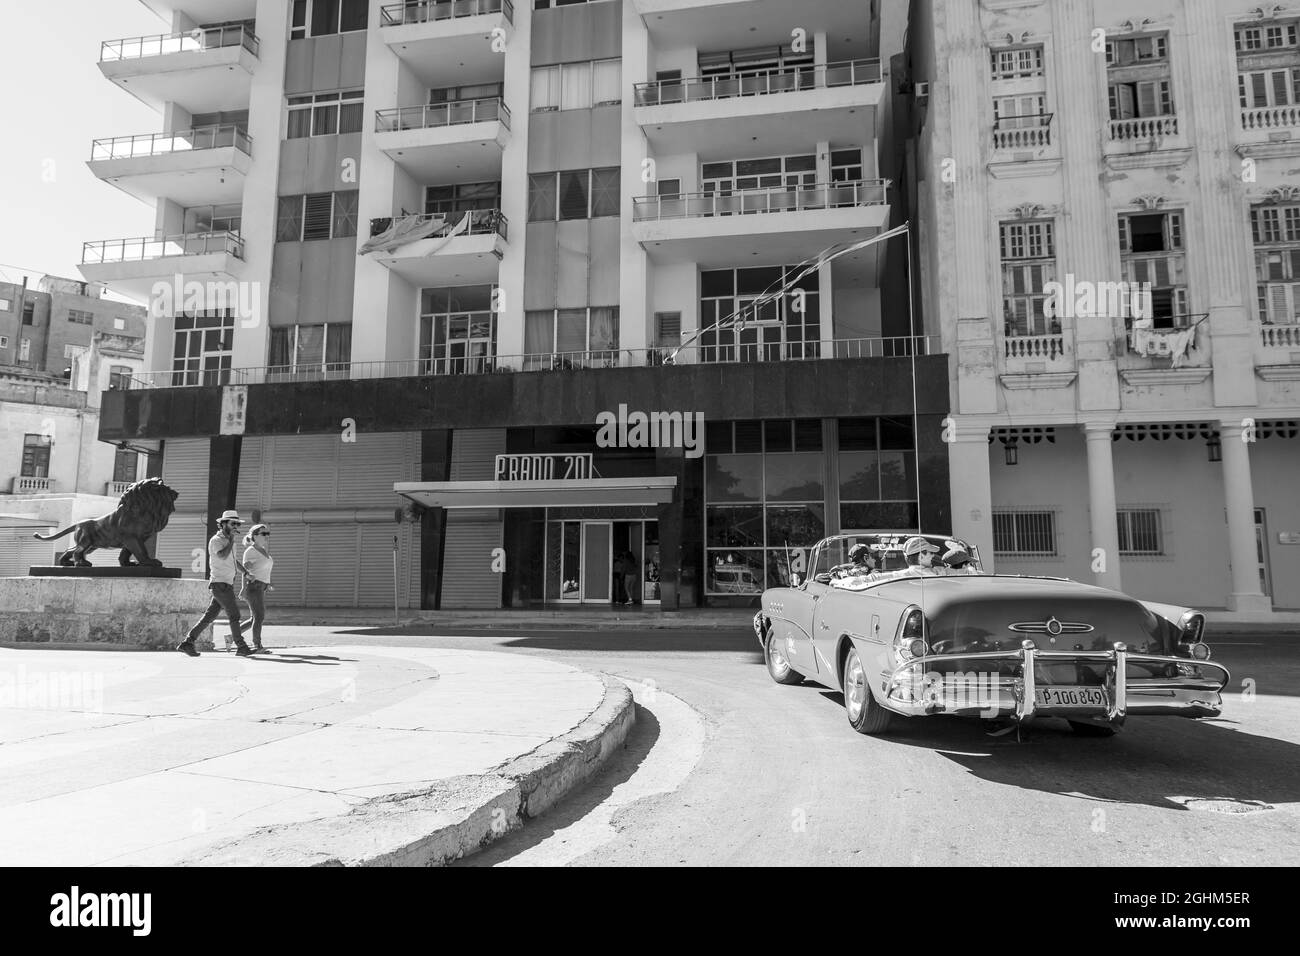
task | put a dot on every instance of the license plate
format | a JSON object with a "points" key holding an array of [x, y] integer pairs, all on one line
{"points": [[1091, 697]]}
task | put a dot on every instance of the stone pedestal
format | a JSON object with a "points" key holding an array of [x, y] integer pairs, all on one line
{"points": [[143, 613]]}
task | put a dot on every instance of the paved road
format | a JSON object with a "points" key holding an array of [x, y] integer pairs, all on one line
{"points": [[726, 767]]}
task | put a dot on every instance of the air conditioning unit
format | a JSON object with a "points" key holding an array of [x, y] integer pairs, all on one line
{"points": [[922, 90]]}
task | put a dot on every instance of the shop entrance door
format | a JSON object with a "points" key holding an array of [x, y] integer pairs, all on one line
{"points": [[597, 562]]}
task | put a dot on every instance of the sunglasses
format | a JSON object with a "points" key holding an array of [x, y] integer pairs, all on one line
{"points": [[263, 534]]}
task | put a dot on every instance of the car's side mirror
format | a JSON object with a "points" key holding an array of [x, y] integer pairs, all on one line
{"points": [[795, 580], [823, 578]]}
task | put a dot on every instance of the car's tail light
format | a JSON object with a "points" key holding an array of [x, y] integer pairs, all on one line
{"points": [[910, 643]]}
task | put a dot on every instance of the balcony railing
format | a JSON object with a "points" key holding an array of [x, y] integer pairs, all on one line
{"points": [[134, 48], [442, 364], [868, 192], [1023, 132], [1176, 323], [397, 14], [1143, 127], [458, 113], [1270, 117], [115, 489], [1049, 347], [24, 485], [758, 83], [1280, 336], [140, 250], [162, 144], [481, 222]]}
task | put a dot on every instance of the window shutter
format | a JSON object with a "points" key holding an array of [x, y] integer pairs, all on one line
{"points": [[1148, 103], [668, 329], [316, 219], [1281, 87], [1258, 89], [1174, 231]]}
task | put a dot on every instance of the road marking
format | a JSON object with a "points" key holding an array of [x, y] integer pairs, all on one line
{"points": [[664, 769]]}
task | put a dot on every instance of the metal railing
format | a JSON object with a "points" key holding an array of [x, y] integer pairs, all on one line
{"points": [[758, 82], [426, 11], [139, 250], [134, 48], [1270, 117], [442, 364], [1280, 336], [1050, 346], [1023, 132], [866, 192], [162, 144], [481, 222], [27, 485], [1143, 127], [458, 113]]}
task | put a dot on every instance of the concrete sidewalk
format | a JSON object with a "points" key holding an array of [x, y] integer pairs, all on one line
{"points": [[595, 618], [309, 756]]}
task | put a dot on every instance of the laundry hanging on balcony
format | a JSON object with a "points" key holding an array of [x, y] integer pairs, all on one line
{"points": [[404, 230], [1174, 343]]}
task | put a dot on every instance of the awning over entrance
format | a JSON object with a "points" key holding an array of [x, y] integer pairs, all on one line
{"points": [[539, 494]]}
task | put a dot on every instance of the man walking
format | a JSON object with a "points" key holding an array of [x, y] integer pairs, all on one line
{"points": [[221, 582]]}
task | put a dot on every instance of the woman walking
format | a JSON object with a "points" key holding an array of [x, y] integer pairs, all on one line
{"points": [[257, 580]]}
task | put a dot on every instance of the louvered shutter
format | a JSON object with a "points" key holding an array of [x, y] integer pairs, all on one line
{"points": [[316, 219], [1148, 99]]}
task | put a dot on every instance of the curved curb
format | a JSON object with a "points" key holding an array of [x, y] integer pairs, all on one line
{"points": [[449, 820]]}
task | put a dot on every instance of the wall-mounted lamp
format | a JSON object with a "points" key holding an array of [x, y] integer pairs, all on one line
{"points": [[1013, 450], [1215, 448]]}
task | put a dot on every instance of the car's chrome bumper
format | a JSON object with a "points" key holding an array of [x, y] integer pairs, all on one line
{"points": [[915, 691]]}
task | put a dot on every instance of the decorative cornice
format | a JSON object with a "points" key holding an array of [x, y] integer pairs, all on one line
{"points": [[1150, 201], [1269, 11], [1038, 380], [1149, 159], [1164, 376], [1276, 149], [1278, 373], [1028, 169]]}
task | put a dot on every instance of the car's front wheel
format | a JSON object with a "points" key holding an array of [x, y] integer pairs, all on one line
{"points": [[865, 715], [777, 665]]}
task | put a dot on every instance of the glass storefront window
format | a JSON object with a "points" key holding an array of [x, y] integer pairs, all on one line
{"points": [[794, 477], [897, 475], [859, 475], [795, 525], [735, 572], [879, 516], [735, 527], [734, 478]]}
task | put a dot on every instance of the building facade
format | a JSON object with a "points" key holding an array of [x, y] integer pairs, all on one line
{"points": [[1110, 227], [409, 257]]}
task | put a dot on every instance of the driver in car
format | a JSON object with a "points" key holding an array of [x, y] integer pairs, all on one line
{"points": [[861, 561]]}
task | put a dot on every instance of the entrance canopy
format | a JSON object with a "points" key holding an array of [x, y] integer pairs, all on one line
{"points": [[554, 493]]}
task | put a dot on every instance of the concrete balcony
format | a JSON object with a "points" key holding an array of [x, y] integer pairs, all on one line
{"points": [[31, 486], [721, 116], [1145, 142], [1140, 129], [434, 250], [741, 227], [1036, 361], [205, 11], [1269, 131], [134, 266], [444, 39], [1035, 348], [1277, 358], [204, 71], [431, 142], [115, 489], [737, 24], [1026, 134], [190, 167]]}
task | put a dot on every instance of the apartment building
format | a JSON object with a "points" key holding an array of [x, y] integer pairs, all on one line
{"points": [[45, 326], [461, 233], [1111, 231]]}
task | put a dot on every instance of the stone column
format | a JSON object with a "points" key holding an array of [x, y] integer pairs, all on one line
{"points": [[972, 488], [1101, 503], [1239, 503]]}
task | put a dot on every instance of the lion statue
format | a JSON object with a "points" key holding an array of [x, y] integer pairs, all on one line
{"points": [[143, 510]]}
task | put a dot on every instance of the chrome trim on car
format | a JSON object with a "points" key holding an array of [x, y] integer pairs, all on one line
{"points": [[1051, 626]]}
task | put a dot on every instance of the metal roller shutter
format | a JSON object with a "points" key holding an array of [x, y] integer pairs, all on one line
{"points": [[375, 565], [474, 451], [289, 575], [331, 565], [20, 551], [303, 469], [467, 577], [185, 468]]}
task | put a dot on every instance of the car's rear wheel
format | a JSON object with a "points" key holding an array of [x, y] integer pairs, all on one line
{"points": [[865, 715], [777, 666], [1085, 729]]}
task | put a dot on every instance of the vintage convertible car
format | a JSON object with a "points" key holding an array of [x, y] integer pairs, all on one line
{"points": [[902, 640]]}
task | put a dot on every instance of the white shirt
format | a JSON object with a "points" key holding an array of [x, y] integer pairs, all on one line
{"points": [[221, 570], [259, 565]]}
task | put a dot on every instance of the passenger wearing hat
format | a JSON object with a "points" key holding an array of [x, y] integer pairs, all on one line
{"points": [[919, 555], [957, 560], [222, 565]]}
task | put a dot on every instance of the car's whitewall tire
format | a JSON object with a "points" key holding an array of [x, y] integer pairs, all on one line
{"points": [[865, 715]]}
